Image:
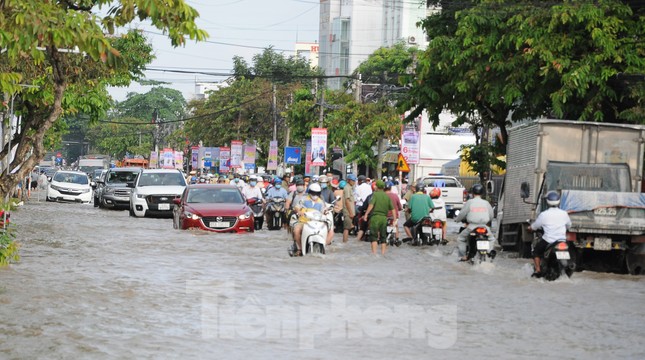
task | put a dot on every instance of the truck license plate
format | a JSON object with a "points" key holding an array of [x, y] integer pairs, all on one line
{"points": [[602, 244], [607, 211], [562, 255], [219, 224], [164, 207], [483, 245]]}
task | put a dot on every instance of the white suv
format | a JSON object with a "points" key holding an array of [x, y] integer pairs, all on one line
{"points": [[154, 192]]}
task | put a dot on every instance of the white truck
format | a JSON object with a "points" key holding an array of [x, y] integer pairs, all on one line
{"points": [[597, 168], [89, 163], [453, 193]]}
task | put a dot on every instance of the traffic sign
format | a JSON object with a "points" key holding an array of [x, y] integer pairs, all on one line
{"points": [[401, 164]]}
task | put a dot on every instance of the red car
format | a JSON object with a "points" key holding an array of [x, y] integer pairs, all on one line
{"points": [[213, 207]]}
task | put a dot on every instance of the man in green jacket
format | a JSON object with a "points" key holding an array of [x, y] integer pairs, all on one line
{"points": [[380, 205], [419, 207]]}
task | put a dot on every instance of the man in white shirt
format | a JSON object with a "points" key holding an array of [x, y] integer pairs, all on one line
{"points": [[363, 190]]}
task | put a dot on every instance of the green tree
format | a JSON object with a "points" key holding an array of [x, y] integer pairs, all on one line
{"points": [[68, 56]]}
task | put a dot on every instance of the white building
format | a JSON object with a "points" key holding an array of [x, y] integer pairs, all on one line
{"points": [[351, 30], [202, 89], [309, 51]]}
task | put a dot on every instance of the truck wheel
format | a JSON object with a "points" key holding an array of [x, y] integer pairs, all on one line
{"points": [[523, 247]]}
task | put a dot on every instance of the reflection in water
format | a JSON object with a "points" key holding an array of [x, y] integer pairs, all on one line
{"points": [[99, 284]]}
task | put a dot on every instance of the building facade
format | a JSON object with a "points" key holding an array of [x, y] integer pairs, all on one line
{"points": [[351, 30]]}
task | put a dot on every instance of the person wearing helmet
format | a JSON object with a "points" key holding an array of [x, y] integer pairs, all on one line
{"points": [[276, 191], [379, 206], [338, 193], [476, 212], [349, 206], [555, 222], [394, 214], [310, 202], [294, 199], [440, 209], [419, 206], [327, 193], [253, 191], [237, 181]]}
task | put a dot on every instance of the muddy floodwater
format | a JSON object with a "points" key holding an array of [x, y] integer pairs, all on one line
{"points": [[99, 284]]}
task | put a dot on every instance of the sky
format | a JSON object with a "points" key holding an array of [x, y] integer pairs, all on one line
{"points": [[236, 28]]}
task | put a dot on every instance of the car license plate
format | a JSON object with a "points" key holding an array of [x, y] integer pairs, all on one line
{"points": [[437, 232], [219, 224], [426, 229], [164, 207], [602, 244], [562, 255], [483, 245], [390, 229], [68, 198]]}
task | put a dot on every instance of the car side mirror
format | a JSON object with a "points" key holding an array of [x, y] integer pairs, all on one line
{"points": [[525, 190], [176, 201], [93, 185]]}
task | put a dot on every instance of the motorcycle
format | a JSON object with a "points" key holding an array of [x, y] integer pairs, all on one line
{"points": [[339, 220], [257, 208], [558, 257], [479, 246], [391, 234], [314, 232], [276, 213], [422, 232]]}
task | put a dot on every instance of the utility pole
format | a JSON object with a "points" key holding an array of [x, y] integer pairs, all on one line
{"points": [[275, 115], [322, 105]]}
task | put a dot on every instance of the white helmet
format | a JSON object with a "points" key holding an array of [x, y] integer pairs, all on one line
{"points": [[315, 188], [553, 198]]}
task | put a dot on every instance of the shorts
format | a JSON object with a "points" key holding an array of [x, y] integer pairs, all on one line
{"points": [[378, 229], [348, 223], [540, 248], [410, 223]]}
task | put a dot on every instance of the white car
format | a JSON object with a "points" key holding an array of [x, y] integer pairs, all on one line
{"points": [[154, 191], [70, 186]]}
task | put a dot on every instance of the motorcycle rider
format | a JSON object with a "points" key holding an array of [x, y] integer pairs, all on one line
{"points": [[476, 212], [252, 191], [349, 205], [327, 193], [276, 191], [310, 202], [440, 211], [238, 182], [419, 206], [294, 199], [555, 222]]}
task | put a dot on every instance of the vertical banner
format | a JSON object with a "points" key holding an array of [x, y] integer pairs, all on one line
{"points": [[168, 159], [208, 158], [273, 156], [224, 159], [318, 147], [236, 154], [308, 159], [154, 160], [179, 160], [410, 142], [194, 160], [249, 156]]}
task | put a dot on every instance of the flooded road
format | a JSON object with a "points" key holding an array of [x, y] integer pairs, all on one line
{"points": [[99, 284]]}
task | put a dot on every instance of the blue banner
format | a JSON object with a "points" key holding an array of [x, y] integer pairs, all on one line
{"points": [[292, 155]]}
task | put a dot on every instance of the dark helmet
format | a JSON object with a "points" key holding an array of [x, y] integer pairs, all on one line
{"points": [[477, 189], [420, 186], [300, 182], [553, 198]]}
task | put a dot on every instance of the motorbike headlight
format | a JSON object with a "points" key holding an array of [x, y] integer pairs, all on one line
{"points": [[191, 215], [246, 215]]}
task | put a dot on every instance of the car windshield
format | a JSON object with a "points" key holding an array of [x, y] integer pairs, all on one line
{"points": [[71, 178], [120, 177], [162, 179], [214, 196]]}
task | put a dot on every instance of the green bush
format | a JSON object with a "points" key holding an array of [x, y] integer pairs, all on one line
{"points": [[8, 246]]}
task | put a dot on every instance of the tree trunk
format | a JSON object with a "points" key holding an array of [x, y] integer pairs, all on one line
{"points": [[379, 161]]}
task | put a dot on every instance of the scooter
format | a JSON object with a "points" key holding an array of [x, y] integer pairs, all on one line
{"points": [[276, 213], [479, 246], [558, 257], [422, 232], [339, 220], [257, 208], [314, 232]]}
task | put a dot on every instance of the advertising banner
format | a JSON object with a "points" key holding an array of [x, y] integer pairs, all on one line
{"points": [[410, 143], [168, 159], [224, 159], [292, 155], [249, 155], [318, 147], [194, 159], [308, 158], [208, 160], [179, 160], [215, 155], [236, 154], [154, 160], [273, 156]]}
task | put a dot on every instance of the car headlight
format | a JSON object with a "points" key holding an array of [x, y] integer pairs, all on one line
{"points": [[85, 191], [109, 191], [245, 216], [57, 188], [191, 215]]}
